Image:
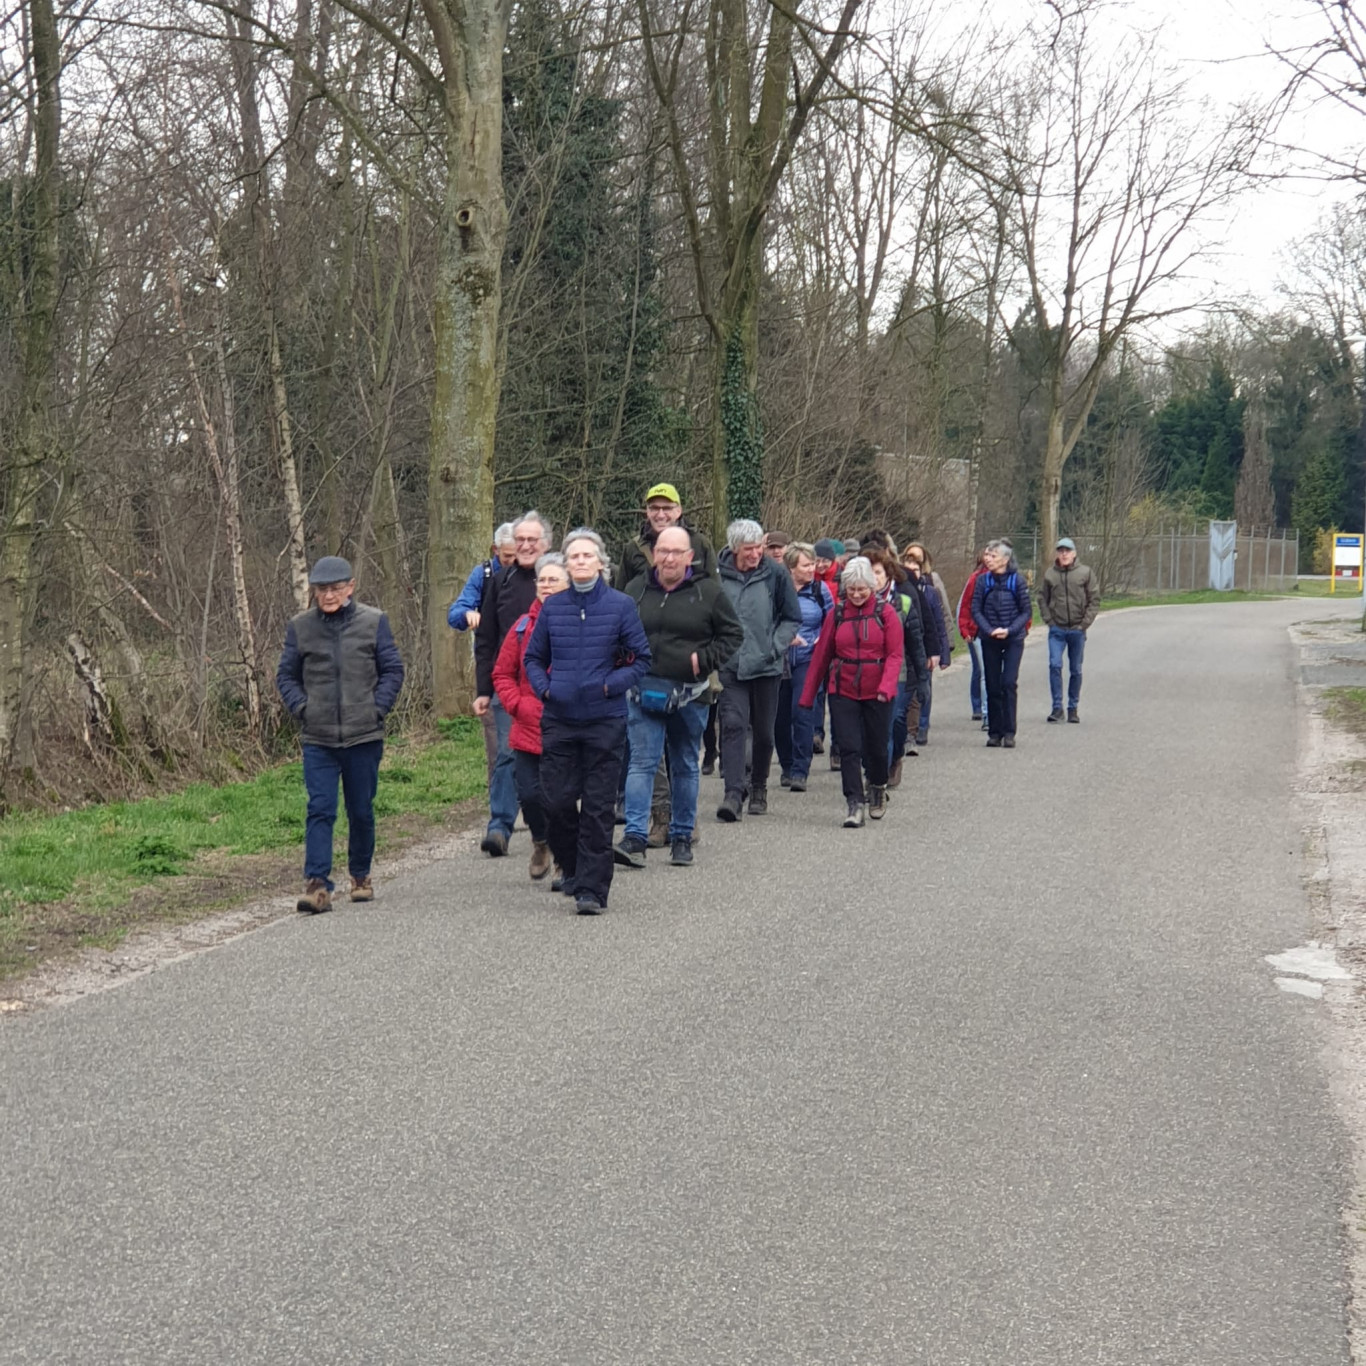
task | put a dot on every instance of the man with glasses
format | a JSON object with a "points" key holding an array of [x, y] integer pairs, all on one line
{"points": [[662, 509], [692, 629], [509, 594], [340, 674]]}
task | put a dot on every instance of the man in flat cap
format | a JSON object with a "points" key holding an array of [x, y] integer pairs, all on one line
{"points": [[340, 674]]}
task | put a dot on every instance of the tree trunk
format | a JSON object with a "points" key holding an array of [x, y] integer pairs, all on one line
{"points": [[23, 458], [1050, 483], [472, 231]]}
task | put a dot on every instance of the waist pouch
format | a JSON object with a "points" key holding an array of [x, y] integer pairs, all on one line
{"points": [[662, 696]]}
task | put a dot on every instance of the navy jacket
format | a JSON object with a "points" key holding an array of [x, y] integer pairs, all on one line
{"points": [[586, 652], [1001, 600]]}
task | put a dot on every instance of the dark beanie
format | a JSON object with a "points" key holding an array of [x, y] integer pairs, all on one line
{"points": [[826, 549]]}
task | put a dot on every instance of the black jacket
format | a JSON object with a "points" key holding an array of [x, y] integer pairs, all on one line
{"points": [[507, 595], [696, 616], [638, 556]]}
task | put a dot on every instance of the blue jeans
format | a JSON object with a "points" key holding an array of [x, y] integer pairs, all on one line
{"points": [[503, 784], [977, 694], [358, 768], [681, 734], [896, 744], [795, 728], [1062, 638]]}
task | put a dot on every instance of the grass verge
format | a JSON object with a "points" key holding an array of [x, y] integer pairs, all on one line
{"points": [[1307, 589], [87, 877], [1346, 708]]}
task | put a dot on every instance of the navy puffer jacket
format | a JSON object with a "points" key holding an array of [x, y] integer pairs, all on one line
{"points": [[1002, 600], [587, 651]]}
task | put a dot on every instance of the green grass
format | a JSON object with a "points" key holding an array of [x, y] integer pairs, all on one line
{"points": [[91, 860], [1306, 589], [1347, 708]]}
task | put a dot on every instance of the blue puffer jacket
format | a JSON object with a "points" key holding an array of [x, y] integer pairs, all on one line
{"points": [[815, 601], [1001, 600], [587, 650]]}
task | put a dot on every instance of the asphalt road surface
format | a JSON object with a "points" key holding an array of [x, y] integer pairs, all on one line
{"points": [[1000, 1081]]}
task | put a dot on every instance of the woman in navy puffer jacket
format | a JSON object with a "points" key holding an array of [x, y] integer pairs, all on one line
{"points": [[1001, 609], [587, 650]]}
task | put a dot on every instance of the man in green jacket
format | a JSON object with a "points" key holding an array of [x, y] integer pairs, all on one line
{"points": [[1069, 604], [662, 509], [692, 629]]}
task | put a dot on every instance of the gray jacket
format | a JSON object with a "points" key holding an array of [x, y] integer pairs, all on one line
{"points": [[766, 603]]}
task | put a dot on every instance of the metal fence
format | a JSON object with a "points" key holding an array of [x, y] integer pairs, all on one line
{"points": [[1173, 559]]}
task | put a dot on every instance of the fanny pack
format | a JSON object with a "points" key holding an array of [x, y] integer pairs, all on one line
{"points": [[662, 696]]}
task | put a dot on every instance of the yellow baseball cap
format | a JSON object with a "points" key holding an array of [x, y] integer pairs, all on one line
{"points": [[664, 491]]}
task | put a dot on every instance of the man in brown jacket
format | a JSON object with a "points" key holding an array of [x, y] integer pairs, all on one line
{"points": [[1069, 604]]}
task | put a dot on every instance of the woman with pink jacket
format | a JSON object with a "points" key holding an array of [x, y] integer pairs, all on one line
{"points": [[858, 659]]}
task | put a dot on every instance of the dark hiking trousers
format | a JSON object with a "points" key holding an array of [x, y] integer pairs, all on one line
{"points": [[1001, 668], [863, 731], [526, 771], [580, 761], [745, 706]]}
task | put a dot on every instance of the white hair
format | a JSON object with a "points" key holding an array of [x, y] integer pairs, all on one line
{"points": [[858, 570], [584, 533], [534, 516], [503, 535], [743, 531], [549, 559]]}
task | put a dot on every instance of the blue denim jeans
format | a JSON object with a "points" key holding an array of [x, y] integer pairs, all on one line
{"points": [[977, 694], [896, 744], [1062, 638], [650, 736], [503, 785], [357, 766], [795, 728]]}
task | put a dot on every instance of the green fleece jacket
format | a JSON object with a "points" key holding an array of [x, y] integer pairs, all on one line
{"points": [[695, 617]]}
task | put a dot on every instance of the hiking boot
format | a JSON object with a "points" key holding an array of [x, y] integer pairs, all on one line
{"points": [[1008, 742], [316, 898], [630, 853], [986, 725], [681, 853], [758, 802], [494, 844], [557, 879], [922, 738], [1055, 714], [797, 785], [877, 802], [894, 777], [855, 817], [994, 742], [911, 751], [784, 780], [619, 814], [708, 765], [977, 716], [587, 904], [1072, 716], [361, 890], [659, 830], [817, 744], [834, 761], [730, 808], [540, 860]]}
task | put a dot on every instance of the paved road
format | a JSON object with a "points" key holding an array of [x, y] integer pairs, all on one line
{"points": [[1003, 1081]]}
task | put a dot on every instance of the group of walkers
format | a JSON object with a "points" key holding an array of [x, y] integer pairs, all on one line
{"points": [[606, 696]]}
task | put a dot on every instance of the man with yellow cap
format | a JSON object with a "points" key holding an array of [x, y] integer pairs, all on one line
{"points": [[663, 508]]}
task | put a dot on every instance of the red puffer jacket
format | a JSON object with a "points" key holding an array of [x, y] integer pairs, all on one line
{"points": [[514, 688], [967, 628], [862, 655]]}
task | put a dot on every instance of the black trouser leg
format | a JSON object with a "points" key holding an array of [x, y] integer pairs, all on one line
{"points": [[561, 783], [1011, 656], [876, 718], [763, 715], [846, 727], [993, 675], [526, 773], [732, 720], [600, 744]]}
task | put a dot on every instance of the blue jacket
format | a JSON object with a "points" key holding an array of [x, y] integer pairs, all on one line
{"points": [[587, 650], [471, 596], [1001, 600], [815, 601]]}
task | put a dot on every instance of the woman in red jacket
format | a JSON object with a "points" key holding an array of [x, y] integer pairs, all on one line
{"points": [[967, 628], [859, 661], [524, 707]]}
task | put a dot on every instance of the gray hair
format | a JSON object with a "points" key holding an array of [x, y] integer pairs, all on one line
{"points": [[533, 516], [1002, 547], [503, 535], [743, 531], [585, 533], [858, 570], [551, 559]]}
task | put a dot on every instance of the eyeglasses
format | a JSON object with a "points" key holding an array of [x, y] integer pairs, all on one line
{"points": [[670, 554], [330, 589], [527, 540]]}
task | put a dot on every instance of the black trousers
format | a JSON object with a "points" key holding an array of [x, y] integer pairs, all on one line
{"points": [[1001, 670], [579, 767], [526, 773], [745, 706], [863, 730]]}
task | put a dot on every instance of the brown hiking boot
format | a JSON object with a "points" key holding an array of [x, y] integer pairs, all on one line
{"points": [[316, 898], [540, 860], [361, 890], [894, 777], [659, 830]]}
